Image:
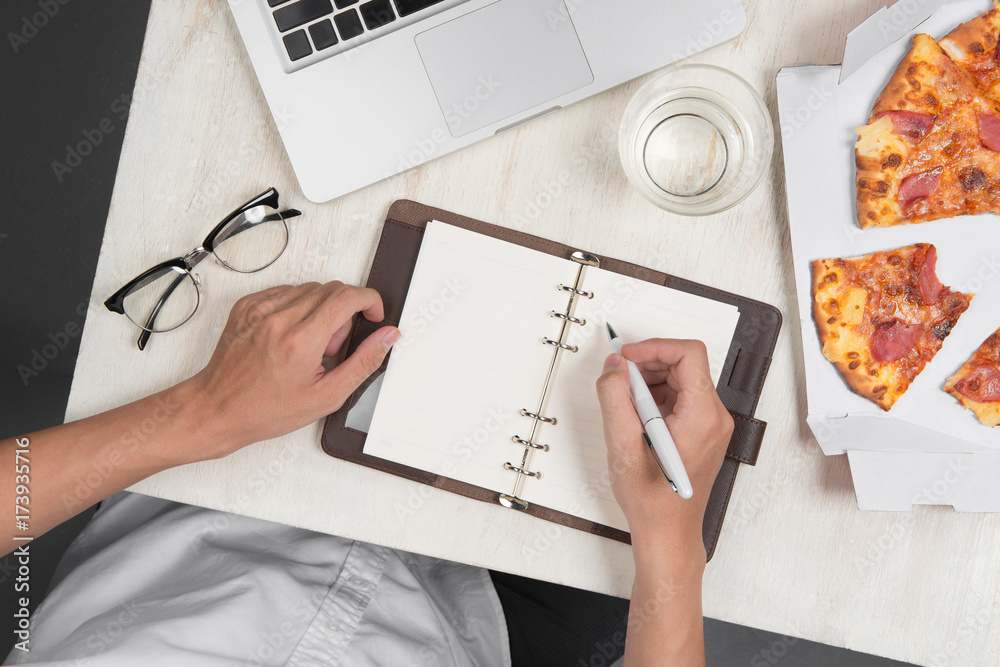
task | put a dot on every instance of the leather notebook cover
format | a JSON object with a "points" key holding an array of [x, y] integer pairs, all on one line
{"points": [[739, 388]]}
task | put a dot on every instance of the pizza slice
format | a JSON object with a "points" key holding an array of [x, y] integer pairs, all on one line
{"points": [[977, 384], [882, 317], [974, 46], [931, 148]]}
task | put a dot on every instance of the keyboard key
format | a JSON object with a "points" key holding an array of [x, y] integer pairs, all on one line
{"points": [[297, 45], [275, 3], [323, 35], [300, 13], [407, 7], [348, 24], [377, 13], [345, 3]]}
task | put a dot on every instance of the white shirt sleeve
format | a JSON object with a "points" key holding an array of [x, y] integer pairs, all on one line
{"points": [[150, 582]]}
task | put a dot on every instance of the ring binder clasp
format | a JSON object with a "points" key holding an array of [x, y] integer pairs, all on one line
{"points": [[518, 440], [521, 471], [578, 292], [537, 417], [568, 318], [555, 343]]}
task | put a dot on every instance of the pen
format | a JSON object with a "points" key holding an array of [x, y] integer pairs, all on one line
{"points": [[657, 437]]}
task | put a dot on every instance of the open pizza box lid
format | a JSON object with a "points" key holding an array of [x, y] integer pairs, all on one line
{"points": [[819, 110]]}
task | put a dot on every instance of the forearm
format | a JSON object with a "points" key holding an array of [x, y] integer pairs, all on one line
{"points": [[665, 624], [72, 466]]}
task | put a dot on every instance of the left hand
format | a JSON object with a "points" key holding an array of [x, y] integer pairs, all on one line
{"points": [[266, 377]]}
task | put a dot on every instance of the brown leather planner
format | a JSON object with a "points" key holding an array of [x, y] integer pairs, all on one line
{"points": [[739, 388]]}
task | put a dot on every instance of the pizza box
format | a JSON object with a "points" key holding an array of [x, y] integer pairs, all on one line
{"points": [[896, 481], [819, 110]]}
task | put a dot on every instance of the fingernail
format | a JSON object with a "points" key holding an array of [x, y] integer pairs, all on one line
{"points": [[391, 337], [612, 361]]}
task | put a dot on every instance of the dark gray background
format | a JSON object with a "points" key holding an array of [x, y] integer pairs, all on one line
{"points": [[75, 71]]}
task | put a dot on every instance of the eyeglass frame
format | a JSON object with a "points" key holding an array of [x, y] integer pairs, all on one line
{"points": [[184, 265]]}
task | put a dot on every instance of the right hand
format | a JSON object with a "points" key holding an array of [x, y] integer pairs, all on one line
{"points": [[677, 373]]}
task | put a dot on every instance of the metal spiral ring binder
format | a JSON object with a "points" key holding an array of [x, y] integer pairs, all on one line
{"points": [[531, 445], [577, 290], [518, 440], [568, 348], [564, 316], [537, 417]]}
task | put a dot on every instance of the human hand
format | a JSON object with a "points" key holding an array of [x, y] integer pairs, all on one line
{"points": [[266, 376], [677, 373]]}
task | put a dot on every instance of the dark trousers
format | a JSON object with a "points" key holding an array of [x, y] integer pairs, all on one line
{"points": [[555, 626]]}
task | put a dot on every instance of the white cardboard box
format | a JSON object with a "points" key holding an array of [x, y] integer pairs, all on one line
{"points": [[893, 455], [818, 118]]}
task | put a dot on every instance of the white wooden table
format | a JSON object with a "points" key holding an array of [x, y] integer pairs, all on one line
{"points": [[795, 556]]}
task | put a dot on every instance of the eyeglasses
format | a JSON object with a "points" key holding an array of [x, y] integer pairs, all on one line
{"points": [[247, 240]]}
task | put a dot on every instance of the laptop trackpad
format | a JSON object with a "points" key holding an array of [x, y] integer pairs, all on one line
{"points": [[501, 60]]}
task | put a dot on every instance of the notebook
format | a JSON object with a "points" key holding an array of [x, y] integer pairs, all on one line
{"points": [[472, 295], [492, 382]]}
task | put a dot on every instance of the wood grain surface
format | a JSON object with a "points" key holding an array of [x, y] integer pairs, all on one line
{"points": [[795, 555]]}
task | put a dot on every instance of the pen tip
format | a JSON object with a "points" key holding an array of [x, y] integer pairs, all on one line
{"points": [[611, 331]]}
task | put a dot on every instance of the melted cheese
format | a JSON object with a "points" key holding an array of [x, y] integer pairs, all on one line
{"points": [[878, 139]]}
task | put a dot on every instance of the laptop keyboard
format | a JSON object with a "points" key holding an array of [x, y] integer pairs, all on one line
{"points": [[313, 26]]}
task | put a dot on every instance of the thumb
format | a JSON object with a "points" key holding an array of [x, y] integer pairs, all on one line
{"points": [[622, 428], [340, 382]]}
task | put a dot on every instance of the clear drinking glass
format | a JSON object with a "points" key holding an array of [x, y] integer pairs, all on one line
{"points": [[696, 140]]}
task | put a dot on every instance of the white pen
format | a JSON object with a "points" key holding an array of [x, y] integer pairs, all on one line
{"points": [[657, 436]]}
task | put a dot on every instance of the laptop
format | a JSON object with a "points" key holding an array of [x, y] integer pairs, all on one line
{"points": [[361, 90]]}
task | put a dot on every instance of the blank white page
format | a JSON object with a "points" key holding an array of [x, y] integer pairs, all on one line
{"points": [[470, 357], [575, 469]]}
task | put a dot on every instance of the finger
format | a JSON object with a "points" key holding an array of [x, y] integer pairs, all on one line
{"points": [[622, 428], [341, 304], [342, 381], [337, 340], [654, 377], [686, 359], [665, 397]]}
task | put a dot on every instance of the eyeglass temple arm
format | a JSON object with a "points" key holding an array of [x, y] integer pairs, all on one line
{"points": [[151, 320]]}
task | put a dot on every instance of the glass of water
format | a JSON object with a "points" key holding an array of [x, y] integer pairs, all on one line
{"points": [[696, 140]]}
